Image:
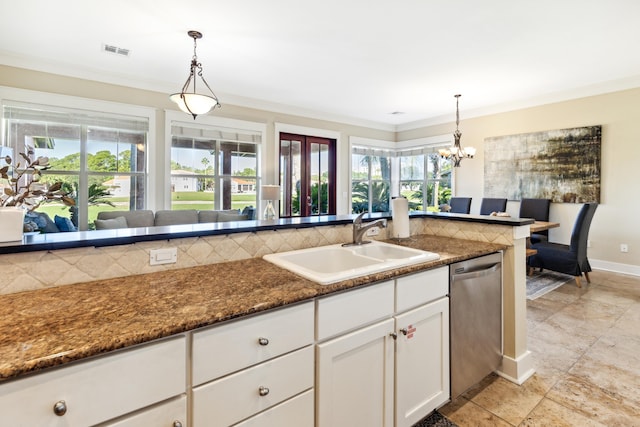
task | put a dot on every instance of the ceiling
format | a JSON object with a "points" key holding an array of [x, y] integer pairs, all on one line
{"points": [[382, 63]]}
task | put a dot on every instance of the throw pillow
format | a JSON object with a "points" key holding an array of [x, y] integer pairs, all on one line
{"points": [[111, 224], [64, 223], [43, 221]]}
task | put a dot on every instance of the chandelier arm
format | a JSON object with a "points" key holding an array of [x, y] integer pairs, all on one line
{"points": [[210, 90]]}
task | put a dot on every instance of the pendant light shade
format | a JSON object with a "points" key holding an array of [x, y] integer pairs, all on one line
{"points": [[188, 100]]}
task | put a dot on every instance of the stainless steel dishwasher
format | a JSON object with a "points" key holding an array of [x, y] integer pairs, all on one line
{"points": [[476, 320]]}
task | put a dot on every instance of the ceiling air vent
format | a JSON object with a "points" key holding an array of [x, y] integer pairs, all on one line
{"points": [[115, 50]]}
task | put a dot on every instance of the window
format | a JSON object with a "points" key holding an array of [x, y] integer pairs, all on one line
{"points": [[213, 167], [307, 175], [425, 179], [100, 158], [370, 179]]}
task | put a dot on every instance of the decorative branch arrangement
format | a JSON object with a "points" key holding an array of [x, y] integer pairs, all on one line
{"points": [[24, 189]]}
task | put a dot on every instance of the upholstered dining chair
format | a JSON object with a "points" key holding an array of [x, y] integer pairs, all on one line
{"points": [[490, 205], [537, 209], [568, 259], [460, 205]]}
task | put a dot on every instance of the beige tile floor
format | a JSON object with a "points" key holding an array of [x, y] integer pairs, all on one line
{"points": [[586, 347]]}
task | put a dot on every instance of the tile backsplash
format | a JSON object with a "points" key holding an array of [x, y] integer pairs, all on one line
{"points": [[43, 269]]}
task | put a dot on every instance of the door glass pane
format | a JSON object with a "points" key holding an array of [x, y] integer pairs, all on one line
{"points": [[290, 175], [319, 179]]}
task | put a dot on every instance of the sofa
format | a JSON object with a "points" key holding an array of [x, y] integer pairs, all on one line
{"points": [[109, 220]]}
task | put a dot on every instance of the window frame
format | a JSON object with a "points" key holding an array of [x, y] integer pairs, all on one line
{"points": [[175, 118], [15, 97], [428, 144]]}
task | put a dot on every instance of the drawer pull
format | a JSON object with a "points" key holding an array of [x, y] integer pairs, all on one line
{"points": [[404, 331], [177, 423], [263, 341], [60, 408], [263, 391]]}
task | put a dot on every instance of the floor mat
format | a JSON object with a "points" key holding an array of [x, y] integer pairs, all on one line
{"points": [[539, 284], [435, 419]]}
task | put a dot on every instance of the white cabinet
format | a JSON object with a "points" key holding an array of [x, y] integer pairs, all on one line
{"points": [[354, 372], [363, 376], [91, 392], [422, 345], [255, 369], [167, 414], [354, 379], [422, 361]]}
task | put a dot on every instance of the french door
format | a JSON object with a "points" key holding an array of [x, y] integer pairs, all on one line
{"points": [[307, 175]]}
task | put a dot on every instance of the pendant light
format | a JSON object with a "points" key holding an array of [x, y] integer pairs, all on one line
{"points": [[457, 153], [189, 101]]}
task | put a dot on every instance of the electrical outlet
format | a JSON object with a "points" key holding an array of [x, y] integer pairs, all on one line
{"points": [[373, 231], [163, 256], [624, 248]]}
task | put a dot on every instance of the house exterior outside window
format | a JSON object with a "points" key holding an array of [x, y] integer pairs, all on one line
{"points": [[216, 166]]}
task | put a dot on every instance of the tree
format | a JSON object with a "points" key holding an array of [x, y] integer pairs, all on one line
{"points": [[102, 161]]}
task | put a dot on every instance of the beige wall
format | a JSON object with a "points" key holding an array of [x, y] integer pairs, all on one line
{"points": [[616, 220], [618, 113]]}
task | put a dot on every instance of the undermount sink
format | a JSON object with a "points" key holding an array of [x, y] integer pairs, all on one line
{"points": [[333, 263]]}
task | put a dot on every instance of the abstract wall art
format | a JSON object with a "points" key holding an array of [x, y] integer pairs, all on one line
{"points": [[562, 165]]}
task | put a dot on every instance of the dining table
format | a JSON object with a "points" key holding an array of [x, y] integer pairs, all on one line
{"points": [[536, 227], [539, 226]]}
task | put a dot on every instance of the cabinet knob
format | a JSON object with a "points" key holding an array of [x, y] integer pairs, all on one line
{"points": [[263, 391], [263, 341], [60, 408], [404, 331], [393, 335], [177, 423]]}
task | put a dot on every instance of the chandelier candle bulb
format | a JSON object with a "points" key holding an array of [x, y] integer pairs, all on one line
{"points": [[400, 217]]}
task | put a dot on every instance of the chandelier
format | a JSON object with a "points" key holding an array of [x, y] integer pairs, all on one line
{"points": [[457, 153], [190, 101]]}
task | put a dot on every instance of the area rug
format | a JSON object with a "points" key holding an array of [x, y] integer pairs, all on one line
{"points": [[435, 419], [539, 284]]}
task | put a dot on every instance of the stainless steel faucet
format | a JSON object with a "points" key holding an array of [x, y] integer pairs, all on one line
{"points": [[359, 230]]}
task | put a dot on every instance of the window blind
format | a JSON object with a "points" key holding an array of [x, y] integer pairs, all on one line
{"points": [[216, 133], [34, 113]]}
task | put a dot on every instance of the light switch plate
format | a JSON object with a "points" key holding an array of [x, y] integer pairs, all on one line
{"points": [[163, 256]]}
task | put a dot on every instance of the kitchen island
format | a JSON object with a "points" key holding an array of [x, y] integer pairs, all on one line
{"points": [[50, 327]]}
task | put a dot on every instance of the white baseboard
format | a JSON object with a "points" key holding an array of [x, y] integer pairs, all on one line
{"points": [[615, 267], [517, 370]]}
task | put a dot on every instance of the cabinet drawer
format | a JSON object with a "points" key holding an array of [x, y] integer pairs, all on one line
{"points": [[161, 415], [420, 288], [97, 390], [346, 311], [227, 348], [240, 395], [295, 412]]}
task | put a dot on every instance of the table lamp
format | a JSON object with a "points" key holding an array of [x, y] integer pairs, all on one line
{"points": [[270, 193]]}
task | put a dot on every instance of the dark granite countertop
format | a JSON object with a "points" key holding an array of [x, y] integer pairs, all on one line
{"points": [[125, 236], [53, 326]]}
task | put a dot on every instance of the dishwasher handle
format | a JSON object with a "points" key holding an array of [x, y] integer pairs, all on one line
{"points": [[475, 273]]}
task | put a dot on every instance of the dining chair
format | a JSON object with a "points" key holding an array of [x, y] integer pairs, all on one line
{"points": [[490, 205], [460, 205], [568, 259], [537, 209]]}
